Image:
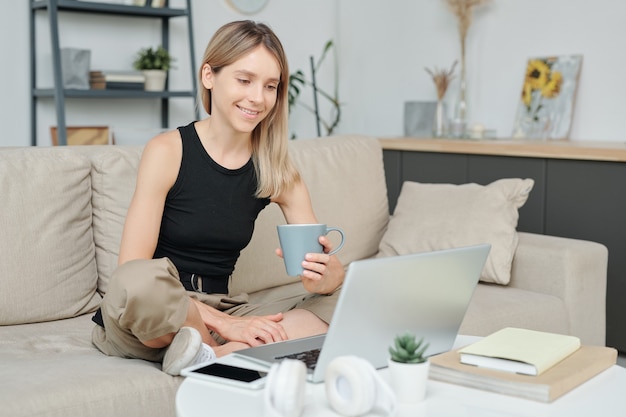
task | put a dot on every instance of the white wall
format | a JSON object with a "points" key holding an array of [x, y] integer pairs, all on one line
{"points": [[383, 48], [386, 46], [14, 75]]}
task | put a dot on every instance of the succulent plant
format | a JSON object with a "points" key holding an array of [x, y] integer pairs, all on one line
{"points": [[407, 350]]}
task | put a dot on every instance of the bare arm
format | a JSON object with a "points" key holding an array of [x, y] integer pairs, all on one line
{"points": [[323, 274], [157, 173]]}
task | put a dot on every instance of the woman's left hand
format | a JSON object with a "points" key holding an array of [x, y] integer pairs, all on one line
{"points": [[323, 273]]}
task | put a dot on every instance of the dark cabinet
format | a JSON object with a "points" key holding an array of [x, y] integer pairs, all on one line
{"points": [[571, 198], [586, 200]]}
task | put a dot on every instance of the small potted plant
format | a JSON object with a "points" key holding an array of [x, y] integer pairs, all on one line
{"points": [[408, 368], [154, 64]]}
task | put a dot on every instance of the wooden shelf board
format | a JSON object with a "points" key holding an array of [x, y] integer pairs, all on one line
{"points": [[110, 8], [112, 93], [561, 149]]}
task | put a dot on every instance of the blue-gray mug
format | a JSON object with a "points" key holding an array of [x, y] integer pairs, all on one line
{"points": [[296, 240]]}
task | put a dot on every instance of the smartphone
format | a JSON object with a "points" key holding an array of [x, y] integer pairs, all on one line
{"points": [[227, 374]]}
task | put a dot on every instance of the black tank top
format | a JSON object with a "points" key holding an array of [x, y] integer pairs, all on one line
{"points": [[209, 212]]}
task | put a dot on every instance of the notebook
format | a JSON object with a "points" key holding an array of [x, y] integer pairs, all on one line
{"points": [[425, 293]]}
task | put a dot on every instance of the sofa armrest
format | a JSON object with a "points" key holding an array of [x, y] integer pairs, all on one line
{"points": [[574, 271]]}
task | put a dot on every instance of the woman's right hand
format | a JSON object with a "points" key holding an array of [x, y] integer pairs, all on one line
{"points": [[253, 330]]}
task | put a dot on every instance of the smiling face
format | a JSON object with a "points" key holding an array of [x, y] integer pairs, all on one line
{"points": [[244, 92]]}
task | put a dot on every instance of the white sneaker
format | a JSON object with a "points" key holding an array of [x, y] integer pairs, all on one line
{"points": [[185, 350]]}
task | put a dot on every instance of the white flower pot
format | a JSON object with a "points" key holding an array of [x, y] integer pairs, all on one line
{"points": [[408, 380], [155, 80]]}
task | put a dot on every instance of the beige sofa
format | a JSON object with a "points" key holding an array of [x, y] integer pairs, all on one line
{"points": [[62, 215]]}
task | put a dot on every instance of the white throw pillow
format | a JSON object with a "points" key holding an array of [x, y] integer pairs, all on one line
{"points": [[441, 216]]}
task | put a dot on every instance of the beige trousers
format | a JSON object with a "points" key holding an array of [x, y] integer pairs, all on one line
{"points": [[145, 300]]}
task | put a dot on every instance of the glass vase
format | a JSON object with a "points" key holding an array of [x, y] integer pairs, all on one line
{"points": [[458, 126], [461, 107], [439, 127]]}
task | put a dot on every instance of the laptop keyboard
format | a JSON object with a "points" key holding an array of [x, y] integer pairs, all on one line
{"points": [[309, 357]]}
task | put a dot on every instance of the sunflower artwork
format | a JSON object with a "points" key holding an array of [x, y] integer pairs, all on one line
{"points": [[547, 99]]}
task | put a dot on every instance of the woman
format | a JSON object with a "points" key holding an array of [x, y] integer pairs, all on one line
{"points": [[199, 190]]}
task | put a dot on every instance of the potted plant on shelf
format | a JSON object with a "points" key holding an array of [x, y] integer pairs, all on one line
{"points": [[154, 64], [408, 368]]}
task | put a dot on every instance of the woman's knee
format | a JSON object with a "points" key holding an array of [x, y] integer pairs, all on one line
{"points": [[300, 323], [146, 297], [144, 279]]}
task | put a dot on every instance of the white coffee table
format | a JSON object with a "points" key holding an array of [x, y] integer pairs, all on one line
{"points": [[604, 395]]}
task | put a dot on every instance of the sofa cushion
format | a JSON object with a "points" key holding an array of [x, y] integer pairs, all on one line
{"points": [[441, 216], [345, 177], [495, 306], [114, 173], [52, 369], [46, 244]]}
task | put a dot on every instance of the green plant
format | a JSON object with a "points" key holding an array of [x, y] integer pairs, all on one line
{"points": [[297, 82], [407, 350], [158, 58]]}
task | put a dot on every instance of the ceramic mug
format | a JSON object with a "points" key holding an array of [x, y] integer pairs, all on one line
{"points": [[296, 240]]}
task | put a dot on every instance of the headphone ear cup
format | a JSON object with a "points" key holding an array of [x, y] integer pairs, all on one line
{"points": [[285, 389], [351, 385]]}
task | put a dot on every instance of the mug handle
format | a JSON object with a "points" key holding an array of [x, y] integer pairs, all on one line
{"points": [[336, 229]]}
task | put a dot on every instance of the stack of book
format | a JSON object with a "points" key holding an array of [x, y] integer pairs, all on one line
{"points": [[524, 363], [116, 80], [149, 3]]}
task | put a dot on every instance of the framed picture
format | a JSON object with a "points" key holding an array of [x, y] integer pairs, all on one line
{"points": [[84, 135], [547, 99]]}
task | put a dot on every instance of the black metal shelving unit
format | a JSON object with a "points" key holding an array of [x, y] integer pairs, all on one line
{"points": [[60, 94]]}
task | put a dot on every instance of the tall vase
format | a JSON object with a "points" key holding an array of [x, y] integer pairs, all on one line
{"points": [[461, 111], [439, 129], [459, 122]]}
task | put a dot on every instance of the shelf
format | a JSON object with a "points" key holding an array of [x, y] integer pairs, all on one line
{"points": [[113, 9], [60, 95], [74, 93]]}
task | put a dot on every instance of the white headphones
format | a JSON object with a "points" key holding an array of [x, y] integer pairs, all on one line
{"points": [[353, 388], [284, 390]]}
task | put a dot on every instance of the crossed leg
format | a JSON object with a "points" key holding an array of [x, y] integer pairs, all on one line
{"points": [[297, 323]]}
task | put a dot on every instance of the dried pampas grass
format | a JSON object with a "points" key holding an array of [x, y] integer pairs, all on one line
{"points": [[442, 79], [463, 9]]}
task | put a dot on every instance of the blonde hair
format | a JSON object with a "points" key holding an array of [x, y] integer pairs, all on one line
{"points": [[270, 153]]}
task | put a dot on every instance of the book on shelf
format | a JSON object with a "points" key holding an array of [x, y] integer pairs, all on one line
{"points": [[132, 80], [150, 3], [521, 351], [582, 365], [124, 86]]}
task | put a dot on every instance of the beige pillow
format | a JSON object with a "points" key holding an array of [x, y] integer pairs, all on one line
{"points": [[440, 216], [114, 175], [46, 242]]}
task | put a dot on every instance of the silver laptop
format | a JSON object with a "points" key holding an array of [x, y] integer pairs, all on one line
{"points": [[425, 293]]}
